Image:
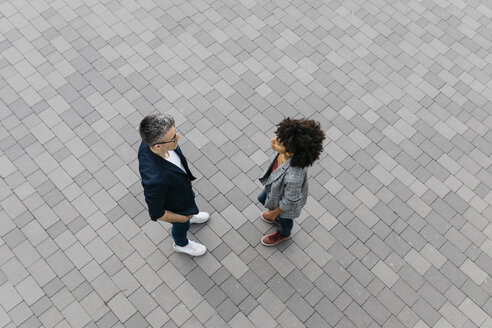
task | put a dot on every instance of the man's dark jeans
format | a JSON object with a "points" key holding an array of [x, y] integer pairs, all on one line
{"points": [[179, 232]]}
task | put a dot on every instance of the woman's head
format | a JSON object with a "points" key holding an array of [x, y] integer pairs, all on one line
{"points": [[302, 139]]}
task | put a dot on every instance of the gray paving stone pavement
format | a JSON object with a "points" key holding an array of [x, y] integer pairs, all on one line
{"points": [[397, 231]]}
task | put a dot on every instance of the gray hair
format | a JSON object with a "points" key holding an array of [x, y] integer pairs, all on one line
{"points": [[153, 127]]}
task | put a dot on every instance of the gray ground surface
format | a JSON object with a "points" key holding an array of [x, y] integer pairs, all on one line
{"points": [[397, 231]]}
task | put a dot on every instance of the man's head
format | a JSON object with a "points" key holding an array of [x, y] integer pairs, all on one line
{"points": [[158, 131]]}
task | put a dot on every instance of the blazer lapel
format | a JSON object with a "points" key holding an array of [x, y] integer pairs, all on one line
{"points": [[277, 173], [168, 165], [184, 162], [171, 167], [182, 158], [266, 171]]}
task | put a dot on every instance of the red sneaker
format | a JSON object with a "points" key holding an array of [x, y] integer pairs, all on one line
{"points": [[274, 238], [268, 220]]}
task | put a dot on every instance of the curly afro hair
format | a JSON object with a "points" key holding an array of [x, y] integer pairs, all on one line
{"points": [[303, 138]]}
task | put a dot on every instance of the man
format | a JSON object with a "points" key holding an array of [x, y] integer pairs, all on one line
{"points": [[166, 180]]}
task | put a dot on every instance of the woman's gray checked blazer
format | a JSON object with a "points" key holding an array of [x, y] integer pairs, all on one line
{"points": [[286, 187]]}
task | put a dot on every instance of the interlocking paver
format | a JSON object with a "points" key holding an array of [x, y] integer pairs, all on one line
{"points": [[157, 317], [397, 219], [121, 307], [142, 301], [235, 265]]}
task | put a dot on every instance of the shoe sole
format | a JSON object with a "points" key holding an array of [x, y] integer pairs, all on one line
{"points": [[180, 251], [268, 221], [200, 254], [198, 222], [276, 242]]}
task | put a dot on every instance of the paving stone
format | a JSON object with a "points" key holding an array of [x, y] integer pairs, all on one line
{"points": [[357, 315], [76, 315], [32, 321], [188, 295], [355, 290], [234, 290], [432, 295], [203, 312], [14, 238], [137, 320], [401, 192], [248, 305], [227, 310], [452, 253], [253, 284], [234, 264], [142, 301], [220, 275], [433, 256], [148, 278], [438, 280], [165, 297], [51, 317], [383, 272], [451, 272], [14, 271], [10, 297], [483, 261], [280, 287], [29, 290], [476, 293], [299, 307], [157, 318], [377, 310], [121, 307], [261, 317], [318, 253], [98, 249], [426, 312], [418, 262], [198, 279], [342, 255], [78, 255], [473, 271], [107, 320], [240, 320]]}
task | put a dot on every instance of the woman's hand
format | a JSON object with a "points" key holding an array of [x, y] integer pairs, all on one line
{"points": [[269, 215], [272, 214]]}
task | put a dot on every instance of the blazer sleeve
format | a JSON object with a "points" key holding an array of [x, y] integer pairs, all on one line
{"points": [[155, 195], [292, 192]]}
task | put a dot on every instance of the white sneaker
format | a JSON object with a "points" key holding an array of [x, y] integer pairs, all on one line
{"points": [[200, 217], [193, 248]]}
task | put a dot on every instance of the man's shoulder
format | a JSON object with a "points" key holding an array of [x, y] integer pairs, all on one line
{"points": [[144, 157], [143, 149], [142, 152], [146, 164]]}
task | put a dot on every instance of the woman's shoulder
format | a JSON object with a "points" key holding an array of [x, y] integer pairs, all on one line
{"points": [[296, 173]]}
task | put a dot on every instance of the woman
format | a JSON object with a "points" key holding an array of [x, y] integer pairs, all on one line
{"points": [[297, 145]]}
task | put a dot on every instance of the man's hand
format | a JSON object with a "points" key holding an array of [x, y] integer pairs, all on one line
{"points": [[173, 217]]}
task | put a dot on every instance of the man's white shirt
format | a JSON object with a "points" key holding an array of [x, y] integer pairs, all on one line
{"points": [[174, 158]]}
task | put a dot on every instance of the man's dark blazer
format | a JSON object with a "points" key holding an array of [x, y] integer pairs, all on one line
{"points": [[166, 186]]}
